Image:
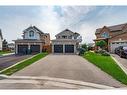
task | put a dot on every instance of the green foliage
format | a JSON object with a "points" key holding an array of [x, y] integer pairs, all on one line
{"points": [[107, 64], [101, 44], [84, 46]]}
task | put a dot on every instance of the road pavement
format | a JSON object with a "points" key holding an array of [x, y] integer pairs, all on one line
{"points": [[7, 61]]}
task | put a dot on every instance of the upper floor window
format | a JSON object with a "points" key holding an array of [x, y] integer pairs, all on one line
{"points": [[65, 37], [105, 35], [31, 33]]}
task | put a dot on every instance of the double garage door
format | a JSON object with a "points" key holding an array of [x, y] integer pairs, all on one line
{"points": [[60, 49], [117, 44], [23, 49]]}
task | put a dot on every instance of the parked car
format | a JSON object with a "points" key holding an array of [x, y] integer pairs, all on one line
{"points": [[121, 51]]}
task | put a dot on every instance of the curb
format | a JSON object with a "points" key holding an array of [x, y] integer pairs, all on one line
{"points": [[67, 81], [120, 65], [17, 63]]}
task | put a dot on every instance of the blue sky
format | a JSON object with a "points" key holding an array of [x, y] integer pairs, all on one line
{"points": [[53, 19]]}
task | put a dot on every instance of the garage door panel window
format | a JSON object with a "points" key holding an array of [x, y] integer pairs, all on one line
{"points": [[58, 48], [69, 48], [22, 49], [35, 48]]}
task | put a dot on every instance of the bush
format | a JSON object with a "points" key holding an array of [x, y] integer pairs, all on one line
{"points": [[102, 52], [81, 51]]}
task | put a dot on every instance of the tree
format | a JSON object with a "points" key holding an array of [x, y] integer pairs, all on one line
{"points": [[5, 44], [84, 46], [101, 44]]}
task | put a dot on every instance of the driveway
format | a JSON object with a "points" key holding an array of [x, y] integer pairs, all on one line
{"points": [[69, 67], [7, 61], [122, 61]]}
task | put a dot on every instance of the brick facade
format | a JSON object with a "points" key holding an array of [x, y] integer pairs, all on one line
{"points": [[116, 33]]}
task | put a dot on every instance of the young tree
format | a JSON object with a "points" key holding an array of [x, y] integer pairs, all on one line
{"points": [[5, 44], [84, 46], [101, 44]]}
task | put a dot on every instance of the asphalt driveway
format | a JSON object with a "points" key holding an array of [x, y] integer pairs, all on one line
{"points": [[7, 61], [68, 67]]}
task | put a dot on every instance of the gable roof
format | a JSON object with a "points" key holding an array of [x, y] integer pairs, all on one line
{"points": [[66, 30], [33, 27], [1, 34], [112, 28]]}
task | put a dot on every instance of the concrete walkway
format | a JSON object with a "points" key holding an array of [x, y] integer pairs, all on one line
{"points": [[71, 67]]}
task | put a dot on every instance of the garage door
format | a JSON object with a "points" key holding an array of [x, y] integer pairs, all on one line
{"points": [[69, 48], [58, 48], [22, 49], [35, 48], [117, 44]]}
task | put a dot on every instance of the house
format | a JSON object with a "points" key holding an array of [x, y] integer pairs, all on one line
{"points": [[91, 46], [113, 35], [1, 40], [11, 46], [34, 41], [66, 42]]}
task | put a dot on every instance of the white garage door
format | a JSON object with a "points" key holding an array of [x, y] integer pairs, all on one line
{"points": [[117, 44]]}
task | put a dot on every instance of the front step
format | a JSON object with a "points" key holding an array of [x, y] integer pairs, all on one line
{"points": [[44, 82]]}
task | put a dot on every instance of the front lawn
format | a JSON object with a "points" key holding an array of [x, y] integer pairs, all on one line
{"points": [[108, 65], [4, 52], [23, 64]]}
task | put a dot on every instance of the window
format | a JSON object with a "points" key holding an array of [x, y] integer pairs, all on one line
{"points": [[31, 33], [64, 36], [105, 35]]}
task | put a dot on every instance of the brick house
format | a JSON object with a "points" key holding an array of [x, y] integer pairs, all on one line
{"points": [[34, 41], [114, 36]]}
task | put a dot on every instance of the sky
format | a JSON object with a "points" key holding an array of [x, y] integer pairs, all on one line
{"points": [[54, 19]]}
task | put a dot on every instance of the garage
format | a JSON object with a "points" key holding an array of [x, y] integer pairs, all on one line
{"points": [[35, 48], [117, 44], [69, 48], [22, 49], [58, 48]]}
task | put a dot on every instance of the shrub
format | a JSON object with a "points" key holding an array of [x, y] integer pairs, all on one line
{"points": [[81, 51], [102, 52]]}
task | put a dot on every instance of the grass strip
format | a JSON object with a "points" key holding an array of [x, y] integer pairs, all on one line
{"points": [[108, 65], [23, 64]]}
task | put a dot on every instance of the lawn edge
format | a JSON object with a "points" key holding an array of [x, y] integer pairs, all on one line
{"points": [[20, 63], [16, 63], [108, 73], [120, 65]]}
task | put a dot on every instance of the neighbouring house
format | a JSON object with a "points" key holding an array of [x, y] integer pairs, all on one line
{"points": [[113, 35], [1, 40], [66, 42], [34, 41], [11, 46], [91, 46]]}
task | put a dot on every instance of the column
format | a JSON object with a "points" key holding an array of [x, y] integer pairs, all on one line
{"points": [[16, 48], [63, 48], [52, 48]]}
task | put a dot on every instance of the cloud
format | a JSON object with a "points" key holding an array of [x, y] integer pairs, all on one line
{"points": [[55, 20]]}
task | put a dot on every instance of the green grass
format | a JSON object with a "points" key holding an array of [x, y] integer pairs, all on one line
{"points": [[4, 52], [108, 65], [23, 64]]}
